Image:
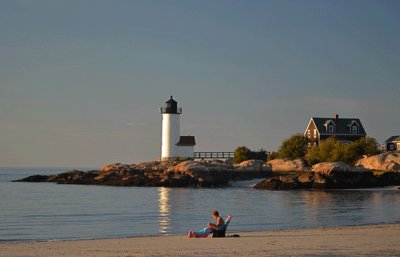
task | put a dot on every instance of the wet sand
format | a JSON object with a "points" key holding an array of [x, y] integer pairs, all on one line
{"points": [[371, 240]]}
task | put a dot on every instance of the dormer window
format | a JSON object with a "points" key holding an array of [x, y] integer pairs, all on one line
{"points": [[354, 129], [330, 126], [330, 129]]}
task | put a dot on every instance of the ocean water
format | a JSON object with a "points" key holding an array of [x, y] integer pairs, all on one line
{"points": [[46, 211]]}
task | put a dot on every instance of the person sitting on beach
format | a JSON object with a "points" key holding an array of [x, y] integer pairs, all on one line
{"points": [[217, 229], [220, 223]]}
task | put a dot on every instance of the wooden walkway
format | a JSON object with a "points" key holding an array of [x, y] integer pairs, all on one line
{"points": [[213, 155]]}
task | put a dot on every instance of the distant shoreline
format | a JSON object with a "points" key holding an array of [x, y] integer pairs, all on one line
{"points": [[378, 240]]}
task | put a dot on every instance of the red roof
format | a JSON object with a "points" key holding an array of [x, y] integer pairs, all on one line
{"points": [[186, 141]]}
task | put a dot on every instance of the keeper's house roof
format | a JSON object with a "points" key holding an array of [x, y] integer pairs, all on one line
{"points": [[186, 141], [342, 125], [393, 139]]}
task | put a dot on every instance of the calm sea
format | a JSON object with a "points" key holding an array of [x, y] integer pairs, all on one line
{"points": [[46, 211]]}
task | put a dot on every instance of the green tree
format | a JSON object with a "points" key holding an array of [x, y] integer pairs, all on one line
{"points": [[242, 153], [371, 146], [329, 150], [359, 148], [332, 150], [272, 156], [293, 148], [258, 155]]}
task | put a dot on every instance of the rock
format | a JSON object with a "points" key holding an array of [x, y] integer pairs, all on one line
{"points": [[326, 176], [338, 175], [305, 180], [288, 182], [188, 167], [34, 178], [270, 184], [250, 165], [110, 167], [389, 161], [203, 173], [283, 165], [279, 183], [327, 168], [389, 179], [251, 169], [266, 168], [320, 181]]}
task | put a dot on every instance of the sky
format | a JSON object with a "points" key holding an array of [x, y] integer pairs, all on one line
{"points": [[81, 82]]}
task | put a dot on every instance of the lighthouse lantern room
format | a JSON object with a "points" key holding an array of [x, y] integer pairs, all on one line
{"points": [[174, 146]]}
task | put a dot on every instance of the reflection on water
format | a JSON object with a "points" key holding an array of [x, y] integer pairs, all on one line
{"points": [[164, 207], [323, 207], [42, 211], [183, 209]]}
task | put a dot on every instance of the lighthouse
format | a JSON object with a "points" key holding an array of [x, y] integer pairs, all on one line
{"points": [[174, 146]]}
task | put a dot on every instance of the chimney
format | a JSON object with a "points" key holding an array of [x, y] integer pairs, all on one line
{"points": [[336, 117]]}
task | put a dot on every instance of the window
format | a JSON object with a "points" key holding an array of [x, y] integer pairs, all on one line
{"points": [[354, 129], [398, 146], [315, 133], [308, 134], [391, 147], [330, 129]]}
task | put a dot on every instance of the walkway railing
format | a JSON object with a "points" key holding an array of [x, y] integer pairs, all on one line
{"points": [[213, 155]]}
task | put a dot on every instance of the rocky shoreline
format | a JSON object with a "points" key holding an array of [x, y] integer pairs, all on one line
{"points": [[278, 174], [190, 173], [336, 175], [374, 171]]}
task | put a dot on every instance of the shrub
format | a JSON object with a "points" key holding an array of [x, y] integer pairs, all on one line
{"points": [[242, 153], [293, 148], [329, 150], [332, 150], [359, 148], [272, 156]]}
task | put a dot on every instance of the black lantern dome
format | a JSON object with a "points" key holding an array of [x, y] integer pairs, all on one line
{"points": [[171, 106]]}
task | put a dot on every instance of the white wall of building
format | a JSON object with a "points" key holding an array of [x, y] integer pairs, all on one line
{"points": [[186, 151], [170, 135]]}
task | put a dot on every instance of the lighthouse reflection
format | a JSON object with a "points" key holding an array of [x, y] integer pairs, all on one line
{"points": [[164, 208]]}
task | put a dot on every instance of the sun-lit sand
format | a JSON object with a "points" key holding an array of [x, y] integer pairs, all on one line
{"points": [[372, 240]]}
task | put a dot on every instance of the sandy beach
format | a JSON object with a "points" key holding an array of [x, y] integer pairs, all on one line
{"points": [[371, 240]]}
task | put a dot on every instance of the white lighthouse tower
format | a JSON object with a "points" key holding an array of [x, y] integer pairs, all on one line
{"points": [[174, 146]]}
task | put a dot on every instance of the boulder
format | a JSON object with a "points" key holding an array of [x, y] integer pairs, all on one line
{"points": [[250, 165], [110, 167], [389, 161], [34, 178], [320, 181], [187, 167], [305, 180], [327, 168], [284, 165], [288, 182], [118, 168], [339, 175], [327, 176], [270, 184], [389, 178], [278, 183]]}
